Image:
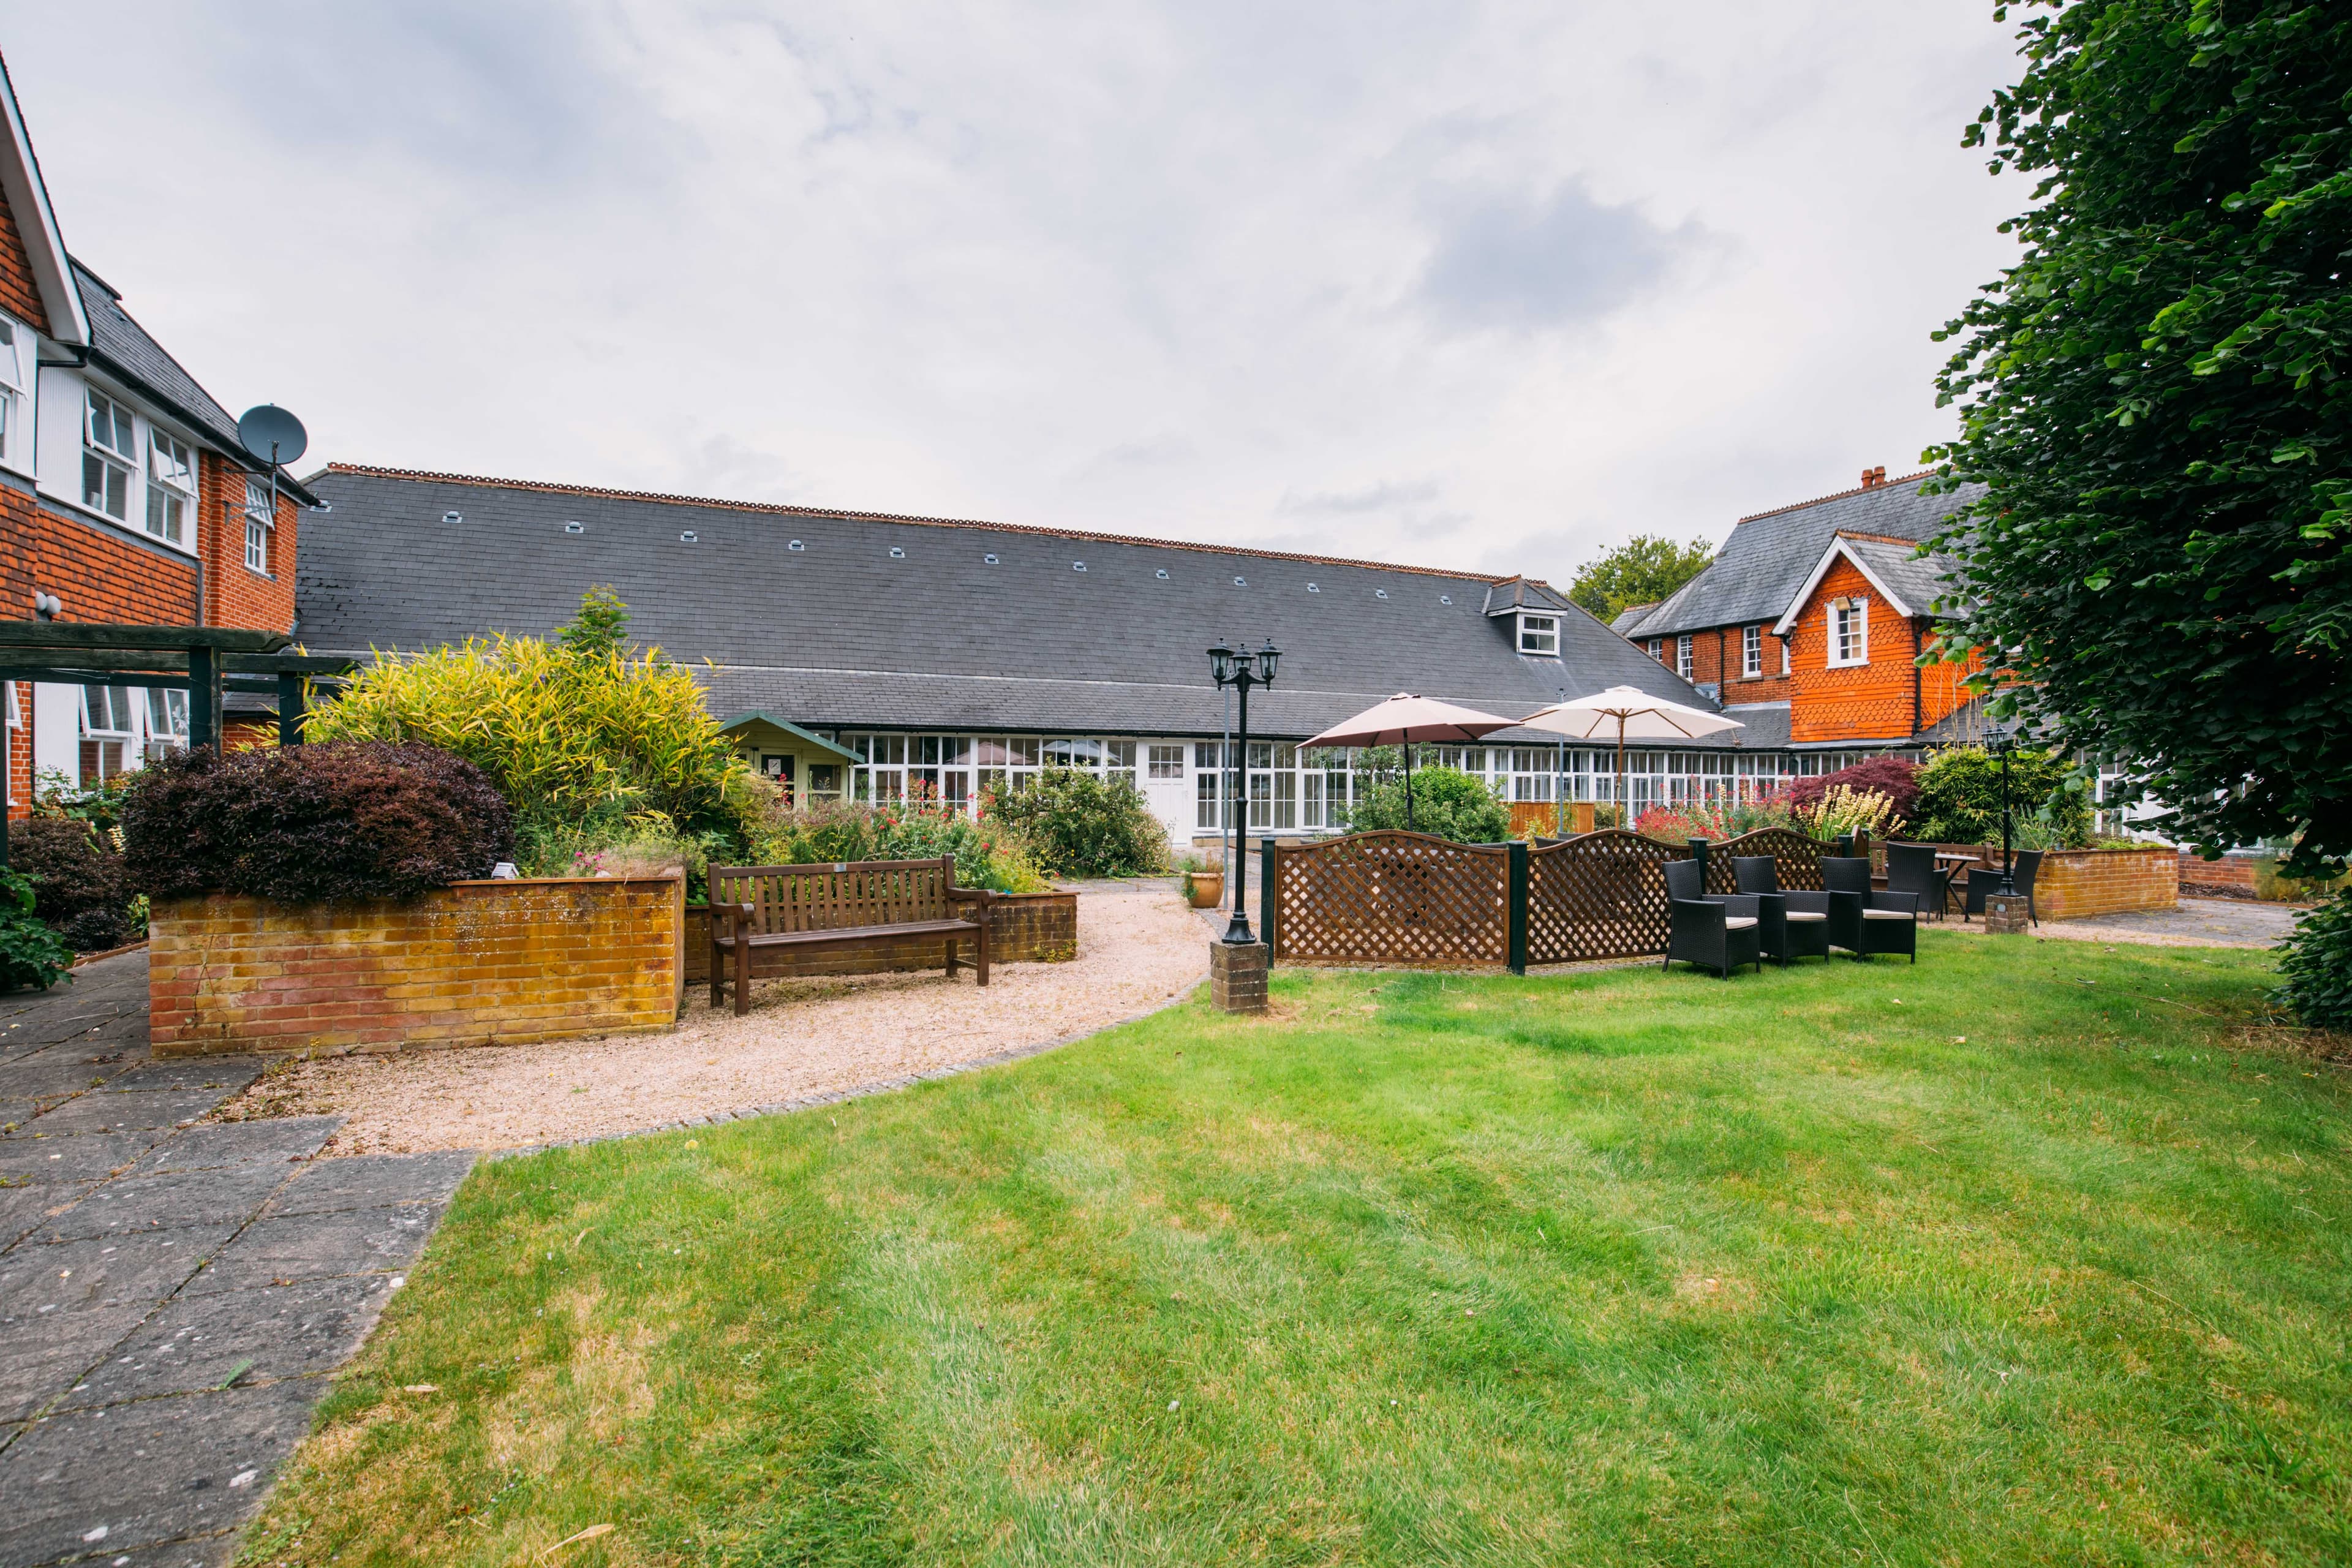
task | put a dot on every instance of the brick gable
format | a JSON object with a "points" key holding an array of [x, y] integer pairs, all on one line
{"points": [[1873, 701], [20, 296]]}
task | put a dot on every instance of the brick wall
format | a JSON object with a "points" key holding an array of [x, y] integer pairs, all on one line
{"points": [[487, 963], [234, 593], [2251, 874], [100, 575], [19, 295], [1870, 701], [1023, 927]]}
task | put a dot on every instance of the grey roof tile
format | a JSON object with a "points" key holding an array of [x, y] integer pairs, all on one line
{"points": [[840, 633], [1768, 556]]}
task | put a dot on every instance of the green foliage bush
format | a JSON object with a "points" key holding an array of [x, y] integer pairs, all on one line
{"points": [[2316, 961], [988, 854], [1959, 798], [77, 883], [30, 953], [298, 825], [1079, 824], [590, 742], [1447, 803]]}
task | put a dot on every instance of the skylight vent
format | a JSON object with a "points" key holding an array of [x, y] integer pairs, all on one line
{"points": [[1161, 574], [1445, 598], [1078, 566], [898, 552], [453, 517], [796, 544], [1241, 581], [1314, 587], [689, 537], [575, 528], [989, 559], [1380, 593]]}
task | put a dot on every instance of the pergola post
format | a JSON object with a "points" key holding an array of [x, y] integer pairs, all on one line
{"points": [[289, 708], [203, 697]]}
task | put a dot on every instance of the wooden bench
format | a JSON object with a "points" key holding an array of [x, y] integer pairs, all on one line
{"points": [[757, 908]]}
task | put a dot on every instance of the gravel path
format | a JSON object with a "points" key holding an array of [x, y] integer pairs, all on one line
{"points": [[1138, 947]]}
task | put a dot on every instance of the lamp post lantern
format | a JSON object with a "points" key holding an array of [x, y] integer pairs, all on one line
{"points": [[1241, 670]]}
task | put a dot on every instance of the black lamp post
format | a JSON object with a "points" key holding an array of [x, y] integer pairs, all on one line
{"points": [[2005, 745], [1240, 671]]}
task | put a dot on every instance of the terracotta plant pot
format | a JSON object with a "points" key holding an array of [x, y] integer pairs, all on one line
{"points": [[1206, 889]]}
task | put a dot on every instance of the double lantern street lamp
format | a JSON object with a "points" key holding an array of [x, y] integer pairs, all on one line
{"points": [[1241, 670]]}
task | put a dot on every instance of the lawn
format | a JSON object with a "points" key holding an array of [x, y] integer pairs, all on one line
{"points": [[2031, 1252]]}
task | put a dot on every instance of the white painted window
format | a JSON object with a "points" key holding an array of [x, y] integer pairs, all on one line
{"points": [[1849, 632], [1784, 655], [1118, 760], [171, 486], [1167, 762], [1539, 635], [109, 454], [260, 523], [1751, 652], [1683, 655], [167, 716], [108, 716], [1658, 649], [12, 384]]}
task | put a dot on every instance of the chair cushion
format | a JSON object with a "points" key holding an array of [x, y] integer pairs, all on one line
{"points": [[1807, 915], [1887, 914], [1738, 922]]}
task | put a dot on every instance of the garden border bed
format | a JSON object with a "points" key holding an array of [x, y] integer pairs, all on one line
{"points": [[1023, 927]]}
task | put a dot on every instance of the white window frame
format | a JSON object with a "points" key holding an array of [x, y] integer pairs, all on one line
{"points": [[1540, 636], [171, 501], [1167, 762], [1683, 659], [12, 383], [167, 718], [260, 525], [1658, 649], [1788, 661], [1752, 653], [102, 460], [1849, 629]]}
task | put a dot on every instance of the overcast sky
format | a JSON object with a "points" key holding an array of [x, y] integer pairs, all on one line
{"points": [[1459, 284]]}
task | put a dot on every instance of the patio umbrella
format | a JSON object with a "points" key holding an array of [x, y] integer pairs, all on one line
{"points": [[1630, 714], [1404, 718]]}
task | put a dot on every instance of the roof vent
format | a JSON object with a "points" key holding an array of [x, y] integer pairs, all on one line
{"points": [[989, 560], [1161, 574], [898, 552], [1314, 587], [453, 517], [689, 537], [575, 528], [1078, 566], [1241, 581], [1445, 598], [796, 544], [1380, 593]]}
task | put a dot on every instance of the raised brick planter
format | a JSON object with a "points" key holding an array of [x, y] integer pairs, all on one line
{"points": [[489, 963], [1025, 928], [2074, 884]]}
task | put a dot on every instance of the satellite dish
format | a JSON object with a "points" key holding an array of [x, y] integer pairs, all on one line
{"points": [[272, 435]]}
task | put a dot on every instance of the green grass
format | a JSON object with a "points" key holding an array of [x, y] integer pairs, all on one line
{"points": [[1593, 1268]]}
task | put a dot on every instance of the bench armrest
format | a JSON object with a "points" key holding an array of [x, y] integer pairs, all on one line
{"points": [[981, 895], [733, 916]]}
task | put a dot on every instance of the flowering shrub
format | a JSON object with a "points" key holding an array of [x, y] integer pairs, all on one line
{"points": [[1896, 778], [1080, 824], [986, 854], [1843, 809], [1716, 819]]}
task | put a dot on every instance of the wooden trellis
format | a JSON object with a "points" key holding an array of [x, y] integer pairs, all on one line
{"points": [[1389, 897], [1415, 901]]}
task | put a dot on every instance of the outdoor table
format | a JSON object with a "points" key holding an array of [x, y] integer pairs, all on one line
{"points": [[1945, 860]]}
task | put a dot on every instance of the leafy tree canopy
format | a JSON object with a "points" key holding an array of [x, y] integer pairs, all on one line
{"points": [[1642, 571], [600, 630], [2155, 400]]}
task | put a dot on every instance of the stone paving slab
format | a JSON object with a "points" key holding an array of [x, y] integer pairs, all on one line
{"points": [[24, 1208], [216, 1146], [254, 1336], [230, 1074], [13, 1112], [27, 1156], [163, 1199], [103, 1111], [64, 1305], [374, 1181], [317, 1246], [37, 1077], [130, 1476]]}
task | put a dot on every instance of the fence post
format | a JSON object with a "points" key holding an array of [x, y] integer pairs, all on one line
{"points": [[1519, 908], [1269, 872]]}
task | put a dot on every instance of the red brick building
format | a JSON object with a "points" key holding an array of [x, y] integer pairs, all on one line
{"points": [[1809, 624], [125, 496]]}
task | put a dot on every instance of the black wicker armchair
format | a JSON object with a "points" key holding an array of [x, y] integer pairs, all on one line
{"points": [[1791, 923], [1717, 929], [1863, 922], [1912, 869]]}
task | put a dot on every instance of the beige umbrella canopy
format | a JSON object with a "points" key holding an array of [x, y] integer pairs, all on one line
{"points": [[1627, 713], [1405, 719]]}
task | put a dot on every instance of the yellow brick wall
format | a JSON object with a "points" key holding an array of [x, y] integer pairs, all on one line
{"points": [[490, 962], [2076, 883]]}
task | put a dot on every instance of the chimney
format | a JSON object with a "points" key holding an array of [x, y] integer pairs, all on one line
{"points": [[1873, 477]]}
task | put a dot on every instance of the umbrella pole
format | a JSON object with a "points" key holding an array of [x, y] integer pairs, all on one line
{"points": [[1408, 787], [1622, 821]]}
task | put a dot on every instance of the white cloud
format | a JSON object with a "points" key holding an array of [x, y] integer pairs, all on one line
{"points": [[1517, 279]]}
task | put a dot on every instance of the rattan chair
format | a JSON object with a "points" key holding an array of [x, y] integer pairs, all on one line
{"points": [[1912, 869], [1864, 921], [1717, 929], [1791, 923], [1983, 881]]}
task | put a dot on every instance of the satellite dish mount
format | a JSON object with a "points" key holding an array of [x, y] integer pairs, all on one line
{"points": [[275, 437]]}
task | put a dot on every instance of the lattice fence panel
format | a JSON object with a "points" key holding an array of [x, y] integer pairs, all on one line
{"points": [[1602, 895], [1799, 858], [1393, 898]]}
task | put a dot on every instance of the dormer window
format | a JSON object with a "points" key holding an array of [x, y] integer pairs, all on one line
{"points": [[1539, 635], [1849, 629]]}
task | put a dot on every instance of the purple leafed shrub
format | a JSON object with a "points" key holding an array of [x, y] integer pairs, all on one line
{"points": [[1891, 776], [297, 825]]}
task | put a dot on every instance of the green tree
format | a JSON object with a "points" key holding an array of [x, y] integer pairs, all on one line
{"points": [[600, 630], [1642, 571], [2155, 398]]}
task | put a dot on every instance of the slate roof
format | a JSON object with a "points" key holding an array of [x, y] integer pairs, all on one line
{"points": [[1918, 581], [840, 634], [121, 345], [1768, 556], [1631, 616]]}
